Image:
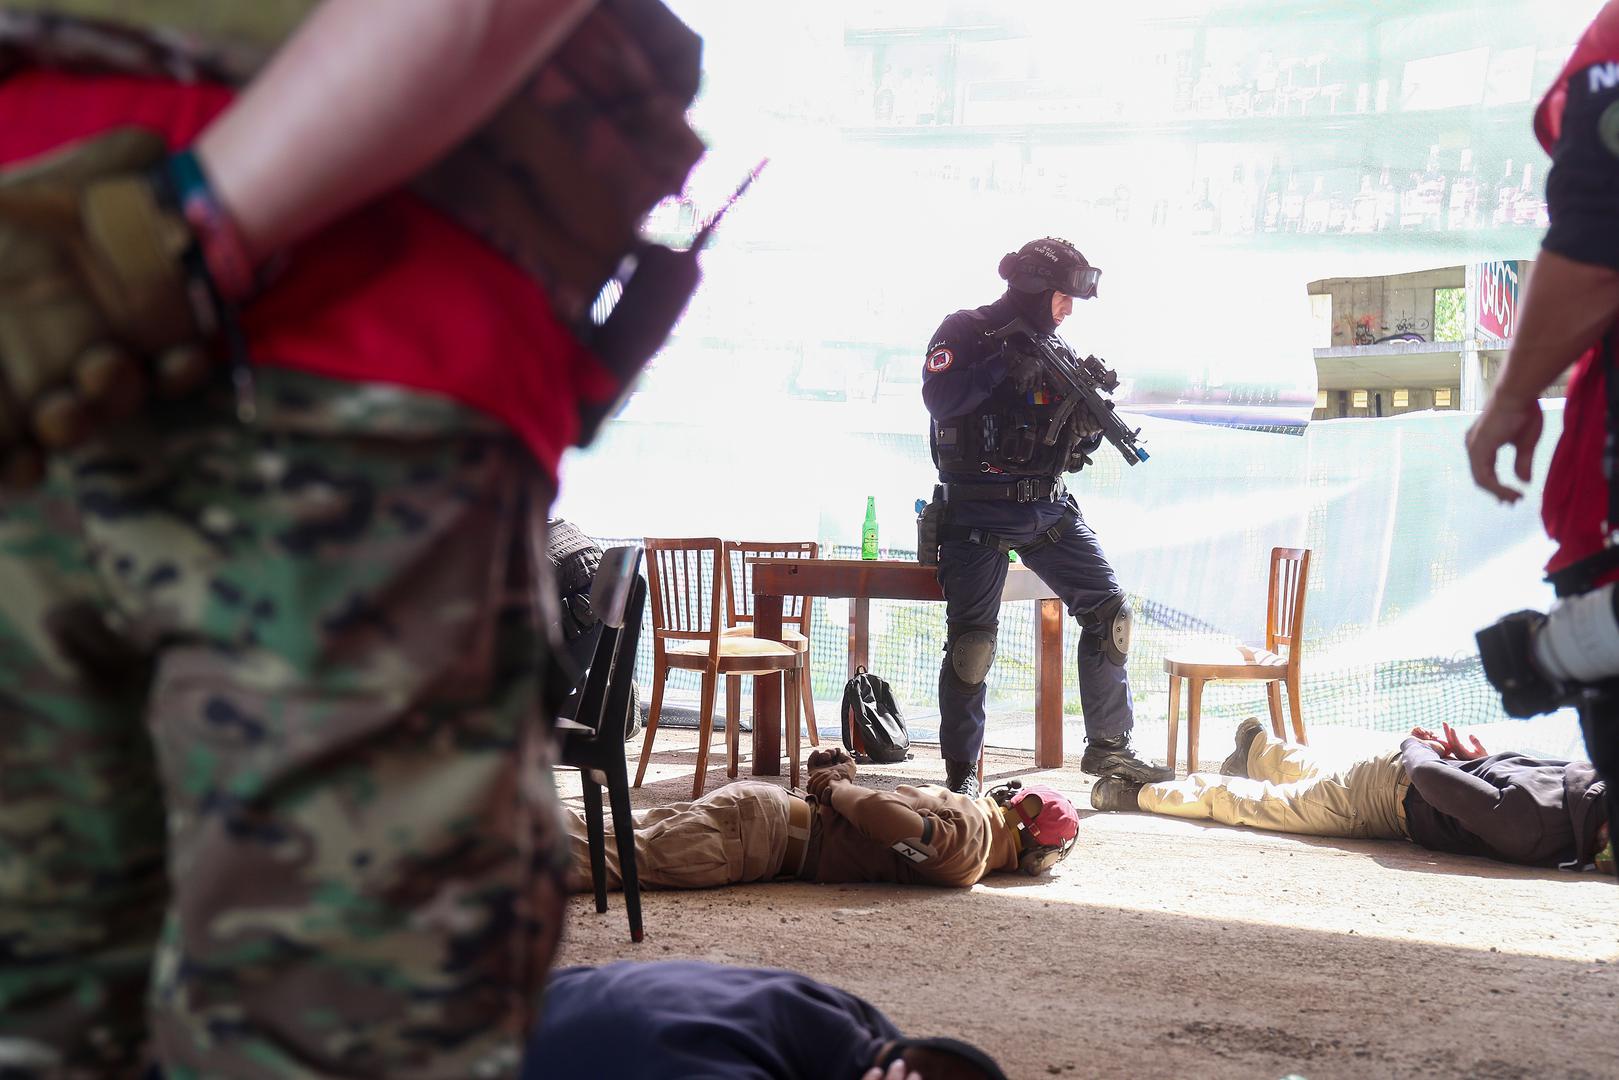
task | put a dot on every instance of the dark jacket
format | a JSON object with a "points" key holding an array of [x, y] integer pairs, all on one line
{"points": [[1510, 807], [680, 1018]]}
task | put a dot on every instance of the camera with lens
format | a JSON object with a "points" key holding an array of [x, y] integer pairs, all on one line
{"points": [[1568, 656]]}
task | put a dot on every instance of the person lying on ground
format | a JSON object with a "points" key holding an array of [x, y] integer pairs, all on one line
{"points": [[682, 1018], [1440, 791], [753, 830]]}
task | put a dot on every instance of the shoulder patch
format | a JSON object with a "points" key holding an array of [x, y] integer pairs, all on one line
{"points": [[1608, 128], [940, 359]]}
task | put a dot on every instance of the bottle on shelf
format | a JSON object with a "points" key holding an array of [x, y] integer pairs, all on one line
{"points": [[1238, 204], [1464, 196], [868, 534], [1270, 206], [1338, 212], [1267, 81], [1292, 205], [1206, 99], [1388, 202], [1433, 193], [1363, 208], [1205, 218], [1411, 200], [1526, 207], [1184, 84], [1121, 204], [1237, 93], [1317, 207], [1506, 198]]}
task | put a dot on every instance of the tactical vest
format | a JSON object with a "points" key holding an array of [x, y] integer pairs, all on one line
{"points": [[1006, 434], [558, 180]]}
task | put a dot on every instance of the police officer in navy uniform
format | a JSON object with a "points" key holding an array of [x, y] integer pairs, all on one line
{"points": [[1003, 491]]}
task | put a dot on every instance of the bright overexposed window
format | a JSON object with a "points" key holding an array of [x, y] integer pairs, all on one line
{"points": [[1360, 399], [1402, 399], [1321, 399], [1441, 398], [1321, 323]]}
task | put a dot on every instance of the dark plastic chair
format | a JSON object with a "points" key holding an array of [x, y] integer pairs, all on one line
{"points": [[594, 742]]}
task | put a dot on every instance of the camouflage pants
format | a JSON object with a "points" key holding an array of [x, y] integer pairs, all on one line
{"points": [[273, 794]]}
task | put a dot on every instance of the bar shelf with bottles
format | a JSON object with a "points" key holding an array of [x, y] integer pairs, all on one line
{"points": [[1387, 80], [1445, 200], [891, 23]]}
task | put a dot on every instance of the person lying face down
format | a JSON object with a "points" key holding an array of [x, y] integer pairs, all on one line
{"points": [[1444, 791], [758, 831], [683, 1018]]}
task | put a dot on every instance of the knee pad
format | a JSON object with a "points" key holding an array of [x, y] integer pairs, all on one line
{"points": [[1111, 623], [971, 652]]}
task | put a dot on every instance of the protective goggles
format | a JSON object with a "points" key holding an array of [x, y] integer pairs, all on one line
{"points": [[1079, 282]]}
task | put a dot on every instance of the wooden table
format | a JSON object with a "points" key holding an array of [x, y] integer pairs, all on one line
{"points": [[862, 581]]}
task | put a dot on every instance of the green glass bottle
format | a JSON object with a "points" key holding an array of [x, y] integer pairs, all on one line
{"points": [[868, 535]]}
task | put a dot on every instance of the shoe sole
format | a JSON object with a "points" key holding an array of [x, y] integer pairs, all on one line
{"points": [[1236, 762], [1135, 773]]}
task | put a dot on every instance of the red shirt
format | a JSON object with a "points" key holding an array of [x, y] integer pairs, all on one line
{"points": [[1575, 502], [395, 292]]}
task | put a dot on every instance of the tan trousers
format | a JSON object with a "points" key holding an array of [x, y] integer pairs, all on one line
{"points": [[733, 834], [1289, 789]]}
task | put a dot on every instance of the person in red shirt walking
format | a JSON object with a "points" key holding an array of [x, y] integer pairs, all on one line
{"points": [[274, 795], [1570, 317]]}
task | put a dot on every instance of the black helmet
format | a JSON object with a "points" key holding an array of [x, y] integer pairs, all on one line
{"points": [[1050, 263]]}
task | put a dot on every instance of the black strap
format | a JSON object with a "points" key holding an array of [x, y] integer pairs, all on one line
{"points": [[1026, 489], [951, 531], [1581, 577]]}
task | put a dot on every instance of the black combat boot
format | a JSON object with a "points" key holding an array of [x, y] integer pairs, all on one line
{"points": [[961, 777], [1237, 763], [1113, 757], [1112, 793]]}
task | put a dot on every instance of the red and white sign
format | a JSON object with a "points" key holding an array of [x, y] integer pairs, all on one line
{"points": [[1496, 308]]}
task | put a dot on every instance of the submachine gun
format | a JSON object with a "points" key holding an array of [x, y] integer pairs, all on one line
{"points": [[1082, 383]]}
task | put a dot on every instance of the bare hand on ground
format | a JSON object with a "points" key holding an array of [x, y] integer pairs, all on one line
{"points": [[1464, 753]]}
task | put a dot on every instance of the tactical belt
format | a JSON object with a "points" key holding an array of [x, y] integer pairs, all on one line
{"points": [[800, 818], [1027, 490]]}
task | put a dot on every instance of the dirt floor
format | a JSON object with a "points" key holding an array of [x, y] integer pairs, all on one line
{"points": [[1162, 948]]}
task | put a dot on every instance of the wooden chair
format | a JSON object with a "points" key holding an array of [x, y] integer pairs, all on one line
{"points": [[599, 718], [1284, 625], [795, 609], [688, 581]]}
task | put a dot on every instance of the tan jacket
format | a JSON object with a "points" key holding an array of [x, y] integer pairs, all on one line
{"points": [[968, 841]]}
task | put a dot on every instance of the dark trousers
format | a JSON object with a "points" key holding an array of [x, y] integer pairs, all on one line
{"points": [[972, 575], [1600, 722]]}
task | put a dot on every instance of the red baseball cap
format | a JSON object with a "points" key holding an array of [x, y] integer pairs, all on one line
{"points": [[1056, 823]]}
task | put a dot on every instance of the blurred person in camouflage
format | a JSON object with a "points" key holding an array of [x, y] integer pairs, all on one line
{"points": [[274, 793]]}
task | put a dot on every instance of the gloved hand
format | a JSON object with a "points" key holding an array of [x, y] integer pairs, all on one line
{"points": [[1022, 366], [1086, 427], [820, 782], [91, 277], [829, 757], [827, 767]]}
